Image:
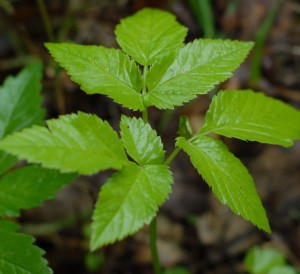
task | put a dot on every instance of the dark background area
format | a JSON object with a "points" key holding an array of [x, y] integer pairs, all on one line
{"points": [[194, 229]]}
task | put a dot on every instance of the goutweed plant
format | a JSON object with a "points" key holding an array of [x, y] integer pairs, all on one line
{"points": [[154, 68]]}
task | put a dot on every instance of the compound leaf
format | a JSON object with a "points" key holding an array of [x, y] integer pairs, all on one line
{"points": [[150, 34], [80, 143], [141, 141], [101, 70], [28, 187], [227, 176], [18, 254], [252, 116], [128, 200], [20, 100], [192, 70]]}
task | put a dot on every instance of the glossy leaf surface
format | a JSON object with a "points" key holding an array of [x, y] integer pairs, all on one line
{"points": [[141, 141], [252, 116], [20, 100], [194, 69], [80, 143], [28, 187], [20, 106], [129, 200], [227, 176], [101, 70], [150, 34], [17, 253]]}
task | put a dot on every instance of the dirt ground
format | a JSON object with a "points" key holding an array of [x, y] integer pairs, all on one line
{"points": [[194, 230]]}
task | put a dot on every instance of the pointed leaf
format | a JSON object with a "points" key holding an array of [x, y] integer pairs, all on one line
{"points": [[150, 34], [29, 187], [227, 176], [128, 200], [194, 69], [18, 254], [252, 116], [74, 143], [141, 141], [20, 100], [101, 70]]}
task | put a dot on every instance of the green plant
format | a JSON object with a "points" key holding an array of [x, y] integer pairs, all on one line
{"points": [[155, 68], [28, 186], [267, 261]]}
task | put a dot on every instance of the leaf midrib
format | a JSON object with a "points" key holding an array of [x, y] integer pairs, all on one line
{"points": [[192, 70]]}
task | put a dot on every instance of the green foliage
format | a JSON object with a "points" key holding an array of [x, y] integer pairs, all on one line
{"points": [[28, 187], [80, 143], [194, 69], [17, 254], [100, 70], [184, 127], [23, 94], [149, 35], [141, 142], [23, 110], [128, 200], [267, 261], [156, 69], [227, 176], [252, 116]]}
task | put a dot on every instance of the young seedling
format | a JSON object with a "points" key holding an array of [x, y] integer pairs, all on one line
{"points": [[154, 68]]}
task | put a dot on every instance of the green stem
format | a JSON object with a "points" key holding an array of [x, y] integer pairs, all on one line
{"points": [[153, 247], [46, 19], [172, 156], [153, 233]]}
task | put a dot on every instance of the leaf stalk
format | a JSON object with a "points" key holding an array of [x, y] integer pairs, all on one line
{"points": [[153, 247]]}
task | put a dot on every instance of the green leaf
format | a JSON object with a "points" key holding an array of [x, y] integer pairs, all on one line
{"points": [[150, 34], [227, 176], [184, 128], [6, 161], [261, 260], [128, 200], [192, 70], [285, 269], [141, 141], [101, 70], [20, 100], [80, 143], [18, 254], [252, 116], [29, 187]]}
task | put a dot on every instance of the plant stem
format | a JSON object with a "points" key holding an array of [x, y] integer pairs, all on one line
{"points": [[153, 234], [153, 247], [172, 156]]}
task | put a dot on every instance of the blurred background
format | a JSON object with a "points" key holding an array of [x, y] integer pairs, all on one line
{"points": [[195, 232]]}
